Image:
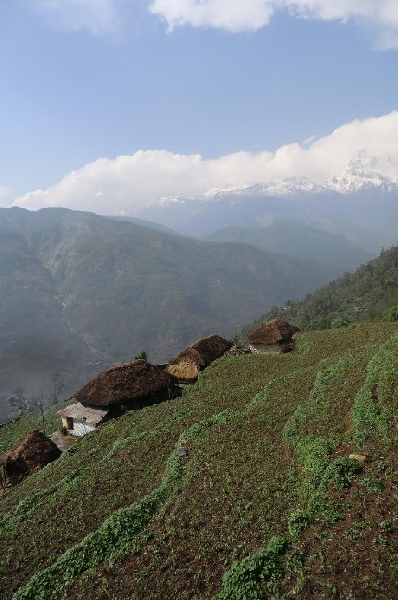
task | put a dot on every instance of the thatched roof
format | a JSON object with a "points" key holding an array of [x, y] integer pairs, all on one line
{"points": [[125, 382], [276, 331], [32, 453], [204, 351], [87, 413], [197, 356]]}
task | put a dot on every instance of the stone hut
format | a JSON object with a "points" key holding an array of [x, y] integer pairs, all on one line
{"points": [[196, 357], [275, 336]]}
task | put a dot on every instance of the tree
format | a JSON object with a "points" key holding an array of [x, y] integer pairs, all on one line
{"points": [[339, 322], [391, 315], [25, 405], [55, 388], [20, 402]]}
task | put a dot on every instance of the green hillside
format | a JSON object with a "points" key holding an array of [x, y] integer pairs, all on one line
{"points": [[265, 503], [371, 292]]}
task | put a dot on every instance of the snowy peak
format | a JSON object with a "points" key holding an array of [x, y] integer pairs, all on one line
{"points": [[365, 173], [291, 185], [276, 187], [362, 173]]}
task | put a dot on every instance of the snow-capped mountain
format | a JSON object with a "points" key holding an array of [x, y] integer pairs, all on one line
{"points": [[362, 173], [276, 187], [361, 202], [365, 173]]}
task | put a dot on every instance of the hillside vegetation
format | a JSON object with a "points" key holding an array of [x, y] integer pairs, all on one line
{"points": [[371, 292], [241, 489]]}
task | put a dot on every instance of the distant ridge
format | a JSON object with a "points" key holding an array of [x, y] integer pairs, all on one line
{"points": [[297, 239]]}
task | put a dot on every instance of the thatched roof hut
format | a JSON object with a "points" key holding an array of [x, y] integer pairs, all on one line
{"points": [[196, 357], [275, 336], [30, 455], [129, 385]]}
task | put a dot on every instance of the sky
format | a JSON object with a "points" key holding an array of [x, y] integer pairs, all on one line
{"points": [[107, 105]]}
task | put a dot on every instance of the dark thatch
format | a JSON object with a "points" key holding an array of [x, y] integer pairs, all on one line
{"points": [[211, 347], [31, 454], [133, 385], [274, 333], [196, 357]]}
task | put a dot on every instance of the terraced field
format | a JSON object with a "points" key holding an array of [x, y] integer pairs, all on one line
{"points": [[241, 489]]}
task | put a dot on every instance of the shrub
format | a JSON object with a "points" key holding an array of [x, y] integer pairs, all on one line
{"points": [[245, 578], [391, 315], [297, 523], [339, 322], [341, 473]]}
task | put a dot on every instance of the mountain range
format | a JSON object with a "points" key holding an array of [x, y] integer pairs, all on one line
{"points": [[361, 204]]}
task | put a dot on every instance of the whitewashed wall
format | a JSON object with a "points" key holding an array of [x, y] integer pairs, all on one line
{"points": [[81, 427]]}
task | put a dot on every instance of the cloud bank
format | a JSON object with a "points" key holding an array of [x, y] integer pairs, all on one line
{"points": [[249, 15], [127, 184]]}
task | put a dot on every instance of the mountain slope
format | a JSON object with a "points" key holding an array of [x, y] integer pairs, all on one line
{"points": [[264, 501], [35, 340], [81, 291]]}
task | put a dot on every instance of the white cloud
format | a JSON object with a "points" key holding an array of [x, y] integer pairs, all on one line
{"points": [[106, 16], [98, 16], [250, 15], [233, 15], [127, 184]]}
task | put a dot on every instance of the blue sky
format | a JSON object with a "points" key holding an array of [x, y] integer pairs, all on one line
{"points": [[101, 98]]}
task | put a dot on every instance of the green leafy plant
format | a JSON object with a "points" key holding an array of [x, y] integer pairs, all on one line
{"points": [[298, 522], [340, 473], [247, 577]]}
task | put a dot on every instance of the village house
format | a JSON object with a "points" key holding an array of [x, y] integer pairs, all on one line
{"points": [[274, 336], [78, 419], [123, 387]]}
